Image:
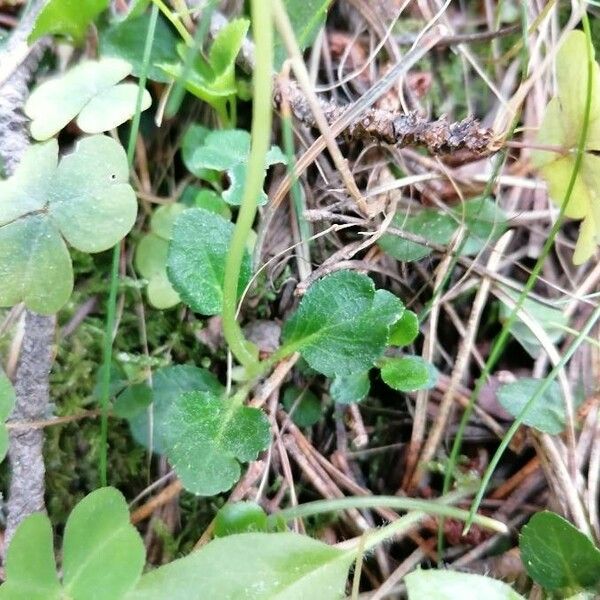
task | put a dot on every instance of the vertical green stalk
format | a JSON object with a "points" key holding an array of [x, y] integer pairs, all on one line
{"points": [[502, 338], [262, 30], [111, 303]]}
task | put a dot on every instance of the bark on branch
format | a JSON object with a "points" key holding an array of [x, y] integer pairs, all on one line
{"points": [[399, 129], [26, 493]]}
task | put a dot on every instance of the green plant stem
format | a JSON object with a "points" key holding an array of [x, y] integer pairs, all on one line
{"points": [[175, 21], [111, 303], [262, 29], [439, 508], [501, 340]]}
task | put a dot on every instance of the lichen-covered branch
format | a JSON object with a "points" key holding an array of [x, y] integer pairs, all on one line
{"points": [[399, 129], [26, 493]]}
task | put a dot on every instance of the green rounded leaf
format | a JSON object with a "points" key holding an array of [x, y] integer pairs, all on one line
{"points": [[306, 18], [196, 260], [86, 199], [126, 40], [35, 265], [92, 201], [132, 401], [351, 388], [282, 566], [168, 384], [112, 108], [30, 568], [151, 257], [225, 150], [546, 414], [103, 554], [438, 584], [405, 329], [306, 406], [409, 373], [70, 18], [484, 220], [89, 90], [207, 438], [557, 555], [342, 324], [240, 517]]}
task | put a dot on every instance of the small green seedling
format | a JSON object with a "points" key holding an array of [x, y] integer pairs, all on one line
{"points": [[89, 91], [212, 79], [85, 200], [68, 18], [561, 129], [151, 257], [227, 151]]}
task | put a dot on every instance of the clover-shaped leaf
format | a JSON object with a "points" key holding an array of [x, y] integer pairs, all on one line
{"points": [[342, 325], [208, 439], [151, 257], [85, 199], [562, 127], [196, 259], [70, 18], [7, 403], [103, 554], [213, 79], [91, 90], [228, 150]]}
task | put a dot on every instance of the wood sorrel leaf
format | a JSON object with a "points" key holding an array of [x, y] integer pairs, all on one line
{"points": [[282, 566], [196, 260], [557, 555], [85, 199], [30, 565], [168, 384], [91, 90], [408, 373], [103, 554], [151, 257], [70, 18], [562, 127], [342, 324], [438, 584], [228, 150], [207, 438]]}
